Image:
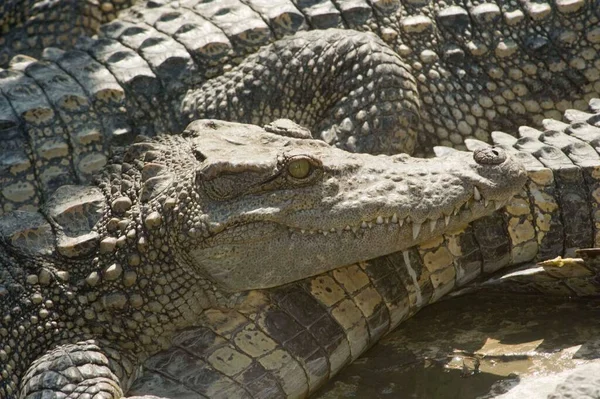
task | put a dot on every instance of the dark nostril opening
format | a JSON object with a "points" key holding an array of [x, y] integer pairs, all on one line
{"points": [[489, 156], [200, 157]]}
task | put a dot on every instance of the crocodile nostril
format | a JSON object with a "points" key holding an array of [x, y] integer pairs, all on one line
{"points": [[489, 156]]}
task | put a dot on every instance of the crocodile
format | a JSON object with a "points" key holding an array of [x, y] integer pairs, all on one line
{"points": [[555, 214], [379, 76], [193, 227]]}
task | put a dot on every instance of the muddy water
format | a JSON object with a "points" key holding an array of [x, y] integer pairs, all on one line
{"points": [[478, 346]]}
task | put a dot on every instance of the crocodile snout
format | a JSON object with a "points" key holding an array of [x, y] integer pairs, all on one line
{"points": [[489, 156]]}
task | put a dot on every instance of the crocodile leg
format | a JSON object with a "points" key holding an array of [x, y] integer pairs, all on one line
{"points": [[365, 88], [84, 369]]}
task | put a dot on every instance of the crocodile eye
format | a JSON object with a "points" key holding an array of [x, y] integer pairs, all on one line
{"points": [[299, 168]]}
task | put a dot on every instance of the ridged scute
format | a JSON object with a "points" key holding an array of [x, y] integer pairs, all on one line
{"points": [[42, 128], [18, 187], [85, 131], [281, 16], [454, 18], [320, 14], [27, 231], [75, 210], [155, 180], [167, 58], [242, 25], [486, 13], [356, 13]]}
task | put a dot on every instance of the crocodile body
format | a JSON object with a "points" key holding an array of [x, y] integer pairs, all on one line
{"points": [[554, 214], [432, 73], [368, 76], [190, 229]]}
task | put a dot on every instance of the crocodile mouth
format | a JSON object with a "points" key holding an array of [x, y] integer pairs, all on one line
{"points": [[265, 252], [413, 231], [475, 206]]}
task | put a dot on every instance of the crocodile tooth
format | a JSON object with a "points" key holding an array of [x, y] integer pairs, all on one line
{"points": [[447, 220], [354, 229], [387, 220], [401, 222], [416, 230], [432, 224], [333, 230], [379, 220], [394, 218], [302, 231], [456, 211], [486, 202], [325, 233], [370, 225], [363, 225], [499, 205], [312, 231], [476, 194], [347, 227]]}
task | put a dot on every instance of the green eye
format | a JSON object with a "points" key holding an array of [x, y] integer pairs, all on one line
{"points": [[299, 168]]}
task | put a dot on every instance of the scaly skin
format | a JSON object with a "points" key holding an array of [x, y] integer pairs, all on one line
{"points": [[432, 74], [29, 26], [553, 214], [190, 226]]}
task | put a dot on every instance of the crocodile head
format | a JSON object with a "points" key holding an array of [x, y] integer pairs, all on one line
{"points": [[253, 209]]}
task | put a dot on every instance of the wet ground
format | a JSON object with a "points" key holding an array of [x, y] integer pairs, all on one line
{"points": [[479, 346]]}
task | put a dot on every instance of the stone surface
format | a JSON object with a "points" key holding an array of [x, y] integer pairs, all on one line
{"points": [[523, 346]]}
